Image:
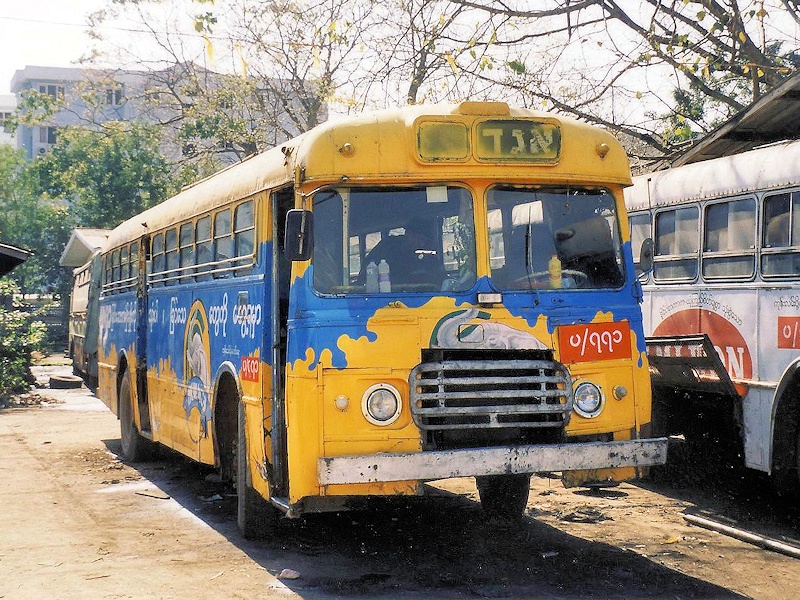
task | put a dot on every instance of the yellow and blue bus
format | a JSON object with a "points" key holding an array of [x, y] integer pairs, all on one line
{"points": [[388, 299]]}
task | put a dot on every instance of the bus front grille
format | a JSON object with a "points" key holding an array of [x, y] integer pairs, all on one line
{"points": [[489, 389]]}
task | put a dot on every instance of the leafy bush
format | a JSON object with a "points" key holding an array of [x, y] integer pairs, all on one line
{"points": [[20, 335]]}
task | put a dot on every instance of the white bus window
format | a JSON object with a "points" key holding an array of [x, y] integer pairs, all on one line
{"points": [[171, 247], [729, 239], [203, 237], [186, 242], [134, 259], [780, 236], [158, 258], [640, 231], [124, 264], [223, 243], [244, 229], [676, 244], [244, 234], [115, 270]]}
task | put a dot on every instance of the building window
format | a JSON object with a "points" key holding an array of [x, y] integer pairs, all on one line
{"points": [[54, 91], [47, 135], [5, 116], [114, 96]]}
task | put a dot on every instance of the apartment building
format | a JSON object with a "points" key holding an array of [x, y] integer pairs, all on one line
{"points": [[8, 104], [93, 96]]}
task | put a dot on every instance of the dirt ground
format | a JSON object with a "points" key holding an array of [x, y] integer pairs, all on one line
{"points": [[77, 522]]}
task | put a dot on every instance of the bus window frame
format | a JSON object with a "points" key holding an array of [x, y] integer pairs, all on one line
{"points": [[240, 264], [722, 254], [790, 249], [673, 258]]}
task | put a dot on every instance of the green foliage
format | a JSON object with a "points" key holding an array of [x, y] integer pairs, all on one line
{"points": [[39, 224], [690, 107], [20, 335], [109, 174]]}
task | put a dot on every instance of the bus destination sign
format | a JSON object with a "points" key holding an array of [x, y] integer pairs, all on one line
{"points": [[503, 140], [518, 140]]}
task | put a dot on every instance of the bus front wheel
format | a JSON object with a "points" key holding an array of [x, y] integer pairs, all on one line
{"points": [[254, 516], [135, 447], [504, 496]]}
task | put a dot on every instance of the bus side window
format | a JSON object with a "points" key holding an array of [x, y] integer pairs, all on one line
{"points": [[223, 244], [115, 270], [244, 235], [186, 242], [676, 244], [203, 237], [158, 259], [171, 247], [134, 261], [780, 236], [729, 239], [106, 272], [640, 231], [124, 268]]}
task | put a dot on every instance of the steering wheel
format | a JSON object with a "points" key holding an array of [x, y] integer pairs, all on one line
{"points": [[544, 277]]}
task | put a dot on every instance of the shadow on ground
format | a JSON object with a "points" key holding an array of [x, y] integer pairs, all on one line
{"points": [[710, 473], [439, 545]]}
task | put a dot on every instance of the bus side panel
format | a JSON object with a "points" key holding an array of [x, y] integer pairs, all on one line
{"points": [[117, 323], [738, 322], [779, 347], [195, 336]]}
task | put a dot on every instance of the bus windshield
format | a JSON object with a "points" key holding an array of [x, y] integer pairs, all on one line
{"points": [[393, 239], [554, 237]]}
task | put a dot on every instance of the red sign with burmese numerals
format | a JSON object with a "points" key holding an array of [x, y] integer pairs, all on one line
{"points": [[594, 341], [250, 368]]}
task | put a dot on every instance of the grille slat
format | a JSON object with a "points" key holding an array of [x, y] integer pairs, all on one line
{"points": [[455, 389]]}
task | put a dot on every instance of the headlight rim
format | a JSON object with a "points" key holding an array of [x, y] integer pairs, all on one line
{"points": [[576, 402], [365, 403]]}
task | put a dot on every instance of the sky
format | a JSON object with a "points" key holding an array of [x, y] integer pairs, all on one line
{"points": [[42, 32]]}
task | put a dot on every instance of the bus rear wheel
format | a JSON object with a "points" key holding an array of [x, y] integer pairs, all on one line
{"points": [[254, 516], [135, 447], [504, 496]]}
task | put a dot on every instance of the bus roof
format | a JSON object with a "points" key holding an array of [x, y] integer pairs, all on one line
{"points": [[770, 167], [383, 144]]}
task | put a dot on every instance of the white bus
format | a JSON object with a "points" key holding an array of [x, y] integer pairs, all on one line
{"points": [[726, 275]]}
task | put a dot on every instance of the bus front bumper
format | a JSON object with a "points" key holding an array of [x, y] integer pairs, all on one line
{"points": [[443, 464]]}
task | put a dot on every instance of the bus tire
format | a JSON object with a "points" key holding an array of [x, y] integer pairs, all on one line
{"points": [[504, 496], [255, 517], [785, 476], [135, 448]]}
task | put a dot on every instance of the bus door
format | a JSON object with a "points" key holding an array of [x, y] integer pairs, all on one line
{"points": [[281, 202], [143, 251]]}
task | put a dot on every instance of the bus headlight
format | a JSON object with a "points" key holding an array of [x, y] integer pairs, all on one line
{"points": [[381, 404], [588, 400]]}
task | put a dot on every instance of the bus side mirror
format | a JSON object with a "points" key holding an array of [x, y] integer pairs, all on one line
{"points": [[298, 234], [645, 264]]}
